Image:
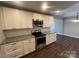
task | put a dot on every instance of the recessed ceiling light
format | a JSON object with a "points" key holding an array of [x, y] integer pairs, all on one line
{"points": [[58, 11], [45, 6], [18, 2]]}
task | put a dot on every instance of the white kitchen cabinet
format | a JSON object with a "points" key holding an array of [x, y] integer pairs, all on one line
{"points": [[45, 21], [12, 50], [16, 19], [2, 36], [15, 54], [32, 44], [48, 21], [26, 19], [22, 19], [8, 18], [50, 38], [51, 20], [1, 18], [11, 18], [37, 16], [29, 46], [26, 47], [29, 20], [17, 49]]}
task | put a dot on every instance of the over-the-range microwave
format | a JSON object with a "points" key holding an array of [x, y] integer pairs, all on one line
{"points": [[37, 23]]}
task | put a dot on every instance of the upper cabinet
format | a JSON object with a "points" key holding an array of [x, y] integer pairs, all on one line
{"points": [[8, 18], [51, 20], [16, 19], [26, 19], [48, 21], [37, 16]]}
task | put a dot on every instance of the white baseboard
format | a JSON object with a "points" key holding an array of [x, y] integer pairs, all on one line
{"points": [[68, 35]]}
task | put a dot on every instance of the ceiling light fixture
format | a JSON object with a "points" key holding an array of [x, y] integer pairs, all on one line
{"points": [[58, 11], [18, 2], [45, 6]]}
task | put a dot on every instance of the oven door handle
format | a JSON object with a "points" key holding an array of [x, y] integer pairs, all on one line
{"points": [[40, 37]]}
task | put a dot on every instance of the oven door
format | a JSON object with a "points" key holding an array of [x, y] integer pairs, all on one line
{"points": [[41, 42]]}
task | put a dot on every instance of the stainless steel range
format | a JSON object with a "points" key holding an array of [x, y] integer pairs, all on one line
{"points": [[40, 39]]}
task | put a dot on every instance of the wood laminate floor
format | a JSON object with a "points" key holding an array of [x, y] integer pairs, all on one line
{"points": [[66, 47]]}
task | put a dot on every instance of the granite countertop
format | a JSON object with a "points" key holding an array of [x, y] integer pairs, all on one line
{"points": [[17, 38], [20, 38], [49, 32]]}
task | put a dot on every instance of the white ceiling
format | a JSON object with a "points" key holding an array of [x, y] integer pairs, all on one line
{"points": [[36, 5], [72, 11]]}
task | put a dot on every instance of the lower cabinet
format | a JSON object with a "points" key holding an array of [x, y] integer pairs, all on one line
{"points": [[50, 38], [15, 54], [12, 50], [17, 49], [29, 46], [20, 48]]}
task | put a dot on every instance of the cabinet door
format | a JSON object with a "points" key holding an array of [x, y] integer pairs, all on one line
{"points": [[40, 17], [14, 49], [35, 16], [9, 17], [32, 44], [29, 45], [51, 20], [15, 54], [48, 21], [22, 19], [2, 24], [16, 19], [50, 38], [26, 19], [26, 47], [29, 19]]}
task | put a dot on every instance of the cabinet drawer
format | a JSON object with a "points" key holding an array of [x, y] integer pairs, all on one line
{"points": [[52, 35], [50, 38], [13, 46], [29, 46], [32, 45], [15, 54], [32, 40]]}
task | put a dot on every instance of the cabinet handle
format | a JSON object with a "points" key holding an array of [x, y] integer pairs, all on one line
{"points": [[14, 49]]}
